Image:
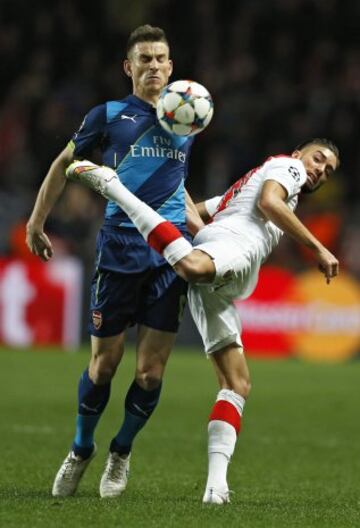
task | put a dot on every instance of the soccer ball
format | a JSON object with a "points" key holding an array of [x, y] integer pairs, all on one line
{"points": [[185, 108]]}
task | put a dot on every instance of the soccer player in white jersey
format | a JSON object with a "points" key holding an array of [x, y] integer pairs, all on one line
{"points": [[223, 264]]}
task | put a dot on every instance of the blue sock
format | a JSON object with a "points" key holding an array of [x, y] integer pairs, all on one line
{"points": [[92, 402], [139, 406]]}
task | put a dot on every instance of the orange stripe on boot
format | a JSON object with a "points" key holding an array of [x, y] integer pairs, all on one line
{"points": [[226, 412]]}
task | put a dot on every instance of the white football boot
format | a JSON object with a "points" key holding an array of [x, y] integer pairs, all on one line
{"points": [[94, 176], [69, 475], [216, 496], [115, 476]]}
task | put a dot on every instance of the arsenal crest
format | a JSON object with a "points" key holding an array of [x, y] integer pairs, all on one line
{"points": [[97, 319]]}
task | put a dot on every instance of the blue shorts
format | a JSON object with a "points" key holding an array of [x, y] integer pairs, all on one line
{"points": [[133, 284]]}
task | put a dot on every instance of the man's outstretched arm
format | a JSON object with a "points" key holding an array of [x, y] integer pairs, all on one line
{"points": [[272, 204], [50, 190]]}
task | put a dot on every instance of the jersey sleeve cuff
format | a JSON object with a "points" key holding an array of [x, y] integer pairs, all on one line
{"points": [[211, 204]]}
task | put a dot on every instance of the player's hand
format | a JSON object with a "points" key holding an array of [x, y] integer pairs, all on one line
{"points": [[39, 243], [328, 264]]}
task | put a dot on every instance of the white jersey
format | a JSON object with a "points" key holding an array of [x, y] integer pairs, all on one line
{"points": [[238, 240], [238, 212]]}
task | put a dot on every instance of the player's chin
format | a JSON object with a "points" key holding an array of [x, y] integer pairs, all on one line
{"points": [[308, 188], [154, 89], [155, 83]]}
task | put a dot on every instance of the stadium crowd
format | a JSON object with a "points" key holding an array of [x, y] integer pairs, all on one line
{"points": [[279, 71]]}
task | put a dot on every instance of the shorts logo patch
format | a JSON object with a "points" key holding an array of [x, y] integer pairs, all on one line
{"points": [[97, 319]]}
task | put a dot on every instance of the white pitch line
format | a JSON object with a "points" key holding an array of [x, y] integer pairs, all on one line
{"points": [[32, 429]]}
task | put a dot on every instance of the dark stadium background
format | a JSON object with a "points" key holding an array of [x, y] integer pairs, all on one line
{"points": [[279, 71]]}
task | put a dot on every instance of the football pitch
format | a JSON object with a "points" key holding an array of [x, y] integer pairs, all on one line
{"points": [[297, 461]]}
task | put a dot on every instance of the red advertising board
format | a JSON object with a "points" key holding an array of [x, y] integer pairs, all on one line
{"points": [[301, 315], [40, 304]]}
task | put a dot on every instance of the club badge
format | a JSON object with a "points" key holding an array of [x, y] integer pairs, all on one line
{"points": [[97, 319]]}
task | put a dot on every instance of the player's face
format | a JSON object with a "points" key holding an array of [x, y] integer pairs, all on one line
{"points": [[149, 67], [319, 162]]}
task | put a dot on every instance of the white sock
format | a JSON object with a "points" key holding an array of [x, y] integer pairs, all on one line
{"points": [[222, 440], [232, 397], [223, 428], [217, 471], [143, 216], [160, 234]]}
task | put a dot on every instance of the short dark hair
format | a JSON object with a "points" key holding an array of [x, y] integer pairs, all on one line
{"points": [[145, 33], [323, 142]]}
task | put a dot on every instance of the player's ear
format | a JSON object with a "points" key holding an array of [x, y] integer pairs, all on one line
{"points": [[127, 67], [171, 67], [296, 154]]}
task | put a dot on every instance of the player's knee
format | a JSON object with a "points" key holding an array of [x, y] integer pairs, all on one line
{"points": [[102, 370], [148, 380], [196, 267], [241, 386], [245, 387], [238, 383]]}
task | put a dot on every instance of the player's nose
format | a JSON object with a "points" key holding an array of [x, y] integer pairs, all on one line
{"points": [[318, 171], [154, 65]]}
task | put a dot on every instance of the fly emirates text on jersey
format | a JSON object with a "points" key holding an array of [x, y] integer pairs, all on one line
{"points": [[161, 149]]}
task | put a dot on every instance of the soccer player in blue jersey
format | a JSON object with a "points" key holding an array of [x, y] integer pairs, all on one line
{"points": [[132, 283]]}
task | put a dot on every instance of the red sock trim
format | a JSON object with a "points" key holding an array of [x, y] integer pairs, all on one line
{"points": [[162, 235], [226, 412]]}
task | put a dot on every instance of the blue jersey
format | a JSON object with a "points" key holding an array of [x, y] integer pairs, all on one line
{"points": [[149, 162]]}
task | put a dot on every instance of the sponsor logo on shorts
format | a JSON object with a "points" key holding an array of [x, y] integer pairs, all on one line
{"points": [[97, 319]]}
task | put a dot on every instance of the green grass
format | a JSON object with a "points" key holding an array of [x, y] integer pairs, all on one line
{"points": [[297, 461]]}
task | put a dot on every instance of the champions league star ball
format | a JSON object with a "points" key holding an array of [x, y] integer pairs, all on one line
{"points": [[185, 108]]}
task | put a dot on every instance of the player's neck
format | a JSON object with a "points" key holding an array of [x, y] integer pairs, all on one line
{"points": [[148, 98]]}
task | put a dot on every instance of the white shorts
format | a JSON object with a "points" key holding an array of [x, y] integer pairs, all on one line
{"points": [[216, 318], [211, 305]]}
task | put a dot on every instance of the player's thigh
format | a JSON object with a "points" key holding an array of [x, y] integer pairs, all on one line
{"points": [[232, 369], [162, 301], [106, 347], [197, 267], [160, 311], [235, 273], [215, 317], [114, 303], [152, 353], [123, 265]]}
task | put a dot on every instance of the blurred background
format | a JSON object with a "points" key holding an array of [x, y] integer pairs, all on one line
{"points": [[279, 71]]}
